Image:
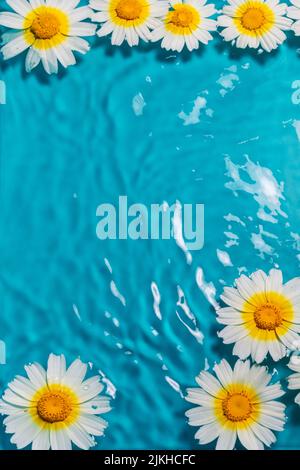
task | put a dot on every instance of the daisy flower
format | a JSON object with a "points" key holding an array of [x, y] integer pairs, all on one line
{"points": [[238, 404], [53, 408], [49, 29], [186, 23], [254, 23], [263, 315], [294, 12], [128, 20], [294, 379]]}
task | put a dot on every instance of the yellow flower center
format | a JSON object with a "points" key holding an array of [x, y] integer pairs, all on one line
{"points": [[45, 25], [268, 317], [128, 13], [254, 18], [54, 407], [183, 19], [237, 407], [129, 9]]}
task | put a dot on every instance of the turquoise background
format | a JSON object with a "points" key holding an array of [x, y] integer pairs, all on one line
{"points": [[72, 142]]}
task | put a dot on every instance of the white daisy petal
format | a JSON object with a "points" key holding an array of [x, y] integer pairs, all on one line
{"points": [[22, 7], [226, 440], [209, 383], [271, 392], [200, 415], [207, 433], [11, 20], [41, 441], [89, 389], [80, 437], [274, 281], [93, 424], [56, 368], [263, 434], [75, 373], [14, 47], [32, 60], [199, 397], [59, 439], [98, 405], [277, 350], [249, 439], [224, 372], [242, 348]]}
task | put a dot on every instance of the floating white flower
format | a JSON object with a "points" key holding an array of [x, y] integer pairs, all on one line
{"points": [[255, 23], [294, 12], [263, 315], [50, 29], [294, 379], [53, 408], [128, 20], [186, 23], [238, 404]]}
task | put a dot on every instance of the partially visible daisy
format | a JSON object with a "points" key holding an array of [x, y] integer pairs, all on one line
{"points": [[294, 13], [50, 29], [128, 20], [53, 408], [238, 404], [294, 379], [255, 23], [186, 23], [263, 315]]}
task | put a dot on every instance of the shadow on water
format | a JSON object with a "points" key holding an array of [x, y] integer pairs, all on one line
{"points": [[238, 54], [293, 42], [162, 55]]}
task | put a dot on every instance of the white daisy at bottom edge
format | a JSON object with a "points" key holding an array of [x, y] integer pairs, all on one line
{"points": [[50, 32], [53, 408], [236, 404]]}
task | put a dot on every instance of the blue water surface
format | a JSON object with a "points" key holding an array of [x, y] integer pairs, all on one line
{"points": [[219, 127]]}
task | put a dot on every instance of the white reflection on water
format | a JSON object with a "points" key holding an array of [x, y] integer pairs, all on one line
{"points": [[178, 232], [156, 300], [76, 311], [116, 293], [175, 385], [228, 80], [260, 244], [207, 288], [184, 307], [266, 190], [194, 116], [138, 104], [224, 258]]}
